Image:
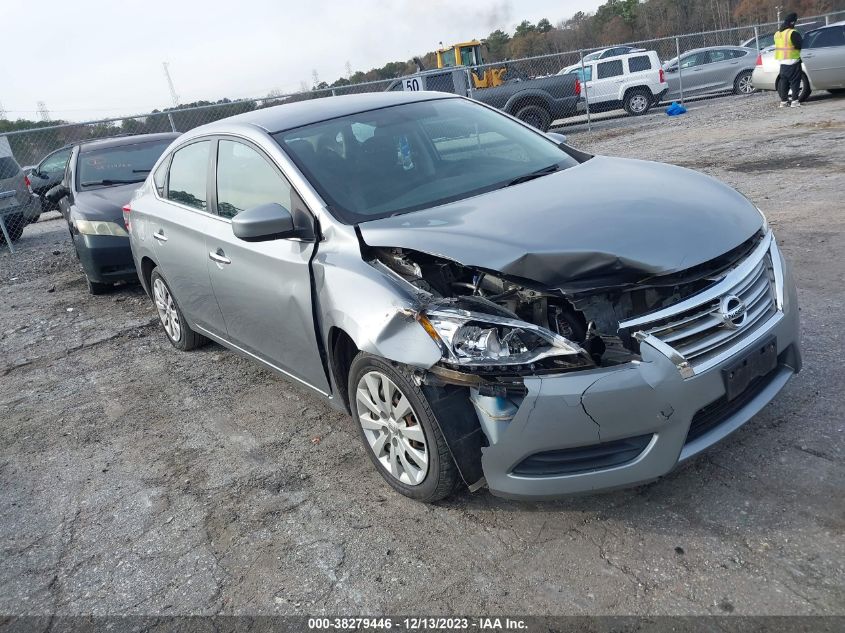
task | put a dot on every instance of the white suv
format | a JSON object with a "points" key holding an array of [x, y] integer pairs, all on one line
{"points": [[634, 81]]}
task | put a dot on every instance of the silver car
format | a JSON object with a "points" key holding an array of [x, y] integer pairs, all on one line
{"points": [[490, 305], [711, 70], [822, 60]]}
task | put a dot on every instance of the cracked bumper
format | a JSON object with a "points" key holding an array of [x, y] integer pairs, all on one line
{"points": [[647, 398]]}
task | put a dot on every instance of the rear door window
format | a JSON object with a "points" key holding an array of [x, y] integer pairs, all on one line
{"points": [[639, 63], [188, 182], [697, 59], [610, 69]]}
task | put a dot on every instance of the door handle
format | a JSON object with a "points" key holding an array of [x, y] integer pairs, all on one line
{"points": [[159, 235], [219, 257]]}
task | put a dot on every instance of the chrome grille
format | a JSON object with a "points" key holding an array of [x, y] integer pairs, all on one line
{"points": [[698, 329]]}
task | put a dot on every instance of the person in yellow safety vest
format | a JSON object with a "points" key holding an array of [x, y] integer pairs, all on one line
{"points": [[788, 53]]}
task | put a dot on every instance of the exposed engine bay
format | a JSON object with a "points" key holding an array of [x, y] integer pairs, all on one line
{"points": [[588, 319]]}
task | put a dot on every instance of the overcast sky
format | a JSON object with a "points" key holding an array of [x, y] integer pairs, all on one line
{"points": [[90, 59]]}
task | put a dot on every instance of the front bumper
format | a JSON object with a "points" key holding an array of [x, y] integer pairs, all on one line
{"points": [[105, 258], [648, 399]]}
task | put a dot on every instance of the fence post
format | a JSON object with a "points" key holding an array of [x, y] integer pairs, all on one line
{"points": [[172, 124], [680, 72], [586, 94], [756, 38]]}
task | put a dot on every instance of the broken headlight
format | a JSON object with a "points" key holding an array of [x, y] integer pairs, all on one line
{"points": [[482, 340]]}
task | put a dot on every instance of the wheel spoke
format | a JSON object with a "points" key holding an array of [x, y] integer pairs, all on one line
{"points": [[389, 388], [372, 385], [394, 463], [418, 456], [371, 425], [414, 473], [414, 433], [364, 398], [378, 444], [402, 408]]}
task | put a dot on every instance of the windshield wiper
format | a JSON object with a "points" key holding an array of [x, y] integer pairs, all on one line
{"points": [[109, 181], [545, 171]]}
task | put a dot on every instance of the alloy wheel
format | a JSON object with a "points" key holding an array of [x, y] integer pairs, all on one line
{"points": [[167, 310], [391, 428], [639, 103], [745, 85]]}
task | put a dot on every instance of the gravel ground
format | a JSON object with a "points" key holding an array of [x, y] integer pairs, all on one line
{"points": [[138, 479]]}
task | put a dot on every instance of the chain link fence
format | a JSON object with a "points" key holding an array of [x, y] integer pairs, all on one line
{"points": [[546, 91]]}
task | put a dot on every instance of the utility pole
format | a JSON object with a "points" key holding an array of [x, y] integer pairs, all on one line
{"points": [[173, 94], [43, 112]]}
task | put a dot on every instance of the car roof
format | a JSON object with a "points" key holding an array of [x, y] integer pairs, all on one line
{"points": [[719, 47], [130, 139], [292, 115]]}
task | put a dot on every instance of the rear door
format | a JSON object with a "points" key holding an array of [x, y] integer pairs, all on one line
{"points": [[263, 288], [720, 70], [608, 77], [824, 57], [178, 222]]}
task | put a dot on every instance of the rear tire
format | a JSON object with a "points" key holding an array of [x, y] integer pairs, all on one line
{"points": [[638, 101], [403, 440], [15, 224], [806, 90], [179, 333], [535, 116], [743, 84]]}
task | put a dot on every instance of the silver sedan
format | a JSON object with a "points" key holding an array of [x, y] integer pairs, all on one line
{"points": [[490, 305], [711, 70]]}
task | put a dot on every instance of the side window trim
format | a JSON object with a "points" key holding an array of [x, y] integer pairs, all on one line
{"points": [[169, 160]]}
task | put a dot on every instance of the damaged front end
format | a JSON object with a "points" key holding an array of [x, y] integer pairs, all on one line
{"points": [[537, 384]]}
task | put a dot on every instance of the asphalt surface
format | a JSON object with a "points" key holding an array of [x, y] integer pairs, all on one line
{"points": [[138, 479]]}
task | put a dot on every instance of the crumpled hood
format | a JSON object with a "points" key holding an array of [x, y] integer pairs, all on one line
{"points": [[105, 203], [605, 222]]}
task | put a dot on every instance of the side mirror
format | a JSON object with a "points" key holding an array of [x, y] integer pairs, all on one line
{"points": [[557, 138], [673, 69], [56, 193], [266, 222]]}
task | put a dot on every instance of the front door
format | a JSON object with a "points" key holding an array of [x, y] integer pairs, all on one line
{"points": [[263, 288]]}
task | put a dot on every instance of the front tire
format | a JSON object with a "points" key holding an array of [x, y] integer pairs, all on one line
{"points": [[400, 432], [638, 102], [535, 116], [179, 333]]}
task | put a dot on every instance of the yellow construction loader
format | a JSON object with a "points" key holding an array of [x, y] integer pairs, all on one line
{"points": [[470, 54]]}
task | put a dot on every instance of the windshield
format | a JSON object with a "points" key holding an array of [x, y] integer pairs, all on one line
{"points": [[119, 165], [417, 155]]}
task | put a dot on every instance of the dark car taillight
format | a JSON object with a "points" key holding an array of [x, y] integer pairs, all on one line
{"points": [[577, 87], [126, 209], [27, 182]]}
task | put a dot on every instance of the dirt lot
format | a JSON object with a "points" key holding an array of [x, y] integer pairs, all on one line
{"points": [[135, 478]]}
